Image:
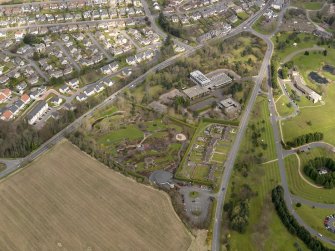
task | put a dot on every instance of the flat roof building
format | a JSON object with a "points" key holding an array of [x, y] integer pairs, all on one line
{"points": [[230, 107], [300, 84], [199, 78], [196, 92], [205, 85]]}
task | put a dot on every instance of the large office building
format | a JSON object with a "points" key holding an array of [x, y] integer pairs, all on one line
{"points": [[199, 78], [204, 85]]}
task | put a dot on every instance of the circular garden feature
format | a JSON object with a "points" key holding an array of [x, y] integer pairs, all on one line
{"points": [[322, 171]]}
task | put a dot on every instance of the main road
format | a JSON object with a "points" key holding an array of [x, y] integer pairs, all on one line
{"points": [[229, 164]]}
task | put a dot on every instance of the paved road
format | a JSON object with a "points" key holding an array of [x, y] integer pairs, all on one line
{"points": [[11, 166], [293, 54], [310, 203], [157, 29], [281, 153], [31, 62], [229, 164], [98, 45], [71, 23], [65, 51]]}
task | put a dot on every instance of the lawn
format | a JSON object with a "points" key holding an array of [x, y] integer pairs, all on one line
{"points": [[265, 230], [300, 187], [314, 217], [242, 15], [314, 62], [107, 112], [153, 92], [91, 76], [66, 200], [304, 40], [259, 118], [313, 5], [130, 132], [313, 119], [283, 107]]}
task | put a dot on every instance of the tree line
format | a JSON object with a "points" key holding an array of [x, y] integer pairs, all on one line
{"points": [[305, 139], [291, 224], [312, 170], [274, 73]]}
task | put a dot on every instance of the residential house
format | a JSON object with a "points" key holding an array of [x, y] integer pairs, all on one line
{"points": [[5, 95], [89, 91], [73, 83], [25, 98], [56, 101], [7, 115], [37, 112], [81, 97]]}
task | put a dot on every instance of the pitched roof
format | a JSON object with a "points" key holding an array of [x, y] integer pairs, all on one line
{"points": [[7, 115], [7, 92], [25, 98]]}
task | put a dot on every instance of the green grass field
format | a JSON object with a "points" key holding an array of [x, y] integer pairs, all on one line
{"points": [[306, 41], [300, 187], [259, 114], [243, 15], [313, 5], [314, 62], [314, 217], [265, 230], [130, 132], [315, 118], [282, 106]]}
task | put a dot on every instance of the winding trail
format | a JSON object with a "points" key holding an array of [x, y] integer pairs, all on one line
{"points": [[297, 52], [302, 176]]}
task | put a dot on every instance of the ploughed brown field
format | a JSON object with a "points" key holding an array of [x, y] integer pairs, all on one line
{"points": [[66, 200]]}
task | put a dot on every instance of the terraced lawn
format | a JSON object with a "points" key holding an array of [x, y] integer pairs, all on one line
{"points": [[300, 187]]}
